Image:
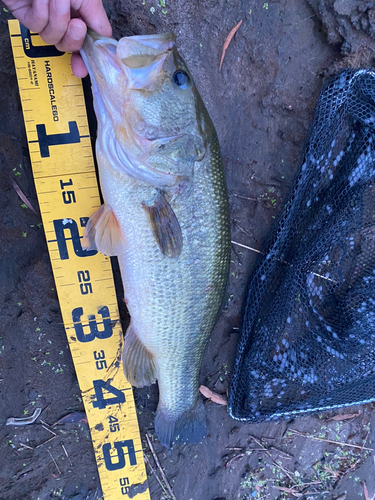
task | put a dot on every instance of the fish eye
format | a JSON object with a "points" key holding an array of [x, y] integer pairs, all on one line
{"points": [[181, 79]]}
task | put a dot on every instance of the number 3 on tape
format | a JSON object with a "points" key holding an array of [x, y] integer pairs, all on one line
{"points": [[60, 150]]}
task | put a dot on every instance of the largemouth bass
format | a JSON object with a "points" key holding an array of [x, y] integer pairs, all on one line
{"points": [[165, 216]]}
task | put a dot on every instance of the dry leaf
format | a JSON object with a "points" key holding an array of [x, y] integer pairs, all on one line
{"points": [[215, 398], [365, 491], [345, 417], [76, 417], [288, 490], [22, 196], [227, 42]]}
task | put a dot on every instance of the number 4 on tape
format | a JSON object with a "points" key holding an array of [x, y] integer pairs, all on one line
{"points": [[60, 149]]}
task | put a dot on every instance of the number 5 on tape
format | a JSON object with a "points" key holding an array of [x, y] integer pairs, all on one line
{"points": [[60, 149]]}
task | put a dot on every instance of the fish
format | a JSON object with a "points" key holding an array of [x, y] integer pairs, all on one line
{"points": [[165, 216]]}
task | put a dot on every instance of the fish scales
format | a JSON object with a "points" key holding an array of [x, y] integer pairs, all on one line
{"points": [[173, 294]]}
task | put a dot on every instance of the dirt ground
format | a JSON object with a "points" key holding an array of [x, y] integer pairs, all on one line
{"points": [[261, 103]]}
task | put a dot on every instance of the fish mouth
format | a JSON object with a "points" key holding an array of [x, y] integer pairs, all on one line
{"points": [[115, 67], [132, 63], [137, 59], [99, 55], [143, 51], [96, 50]]}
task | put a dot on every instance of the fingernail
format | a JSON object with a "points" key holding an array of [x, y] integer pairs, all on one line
{"points": [[77, 31], [62, 7]]}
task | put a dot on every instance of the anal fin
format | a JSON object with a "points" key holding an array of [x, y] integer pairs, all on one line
{"points": [[138, 363], [103, 232], [165, 226]]}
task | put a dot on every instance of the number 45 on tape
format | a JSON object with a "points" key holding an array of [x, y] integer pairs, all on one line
{"points": [[60, 150]]}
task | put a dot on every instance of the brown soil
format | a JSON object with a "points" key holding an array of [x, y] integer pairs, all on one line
{"points": [[261, 103]]}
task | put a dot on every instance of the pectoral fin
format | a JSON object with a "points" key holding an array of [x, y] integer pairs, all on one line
{"points": [[103, 232], [165, 226]]}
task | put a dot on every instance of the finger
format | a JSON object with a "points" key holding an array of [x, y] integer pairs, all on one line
{"points": [[59, 17], [74, 36], [95, 17], [78, 66], [34, 17]]}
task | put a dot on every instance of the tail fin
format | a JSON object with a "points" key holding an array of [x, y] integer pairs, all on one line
{"points": [[138, 362], [188, 427]]}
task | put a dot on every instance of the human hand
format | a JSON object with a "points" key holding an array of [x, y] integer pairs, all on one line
{"points": [[63, 23]]}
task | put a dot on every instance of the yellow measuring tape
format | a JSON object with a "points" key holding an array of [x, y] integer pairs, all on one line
{"points": [[60, 149]]}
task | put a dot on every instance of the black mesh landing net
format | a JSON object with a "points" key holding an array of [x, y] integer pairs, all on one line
{"points": [[307, 340]]}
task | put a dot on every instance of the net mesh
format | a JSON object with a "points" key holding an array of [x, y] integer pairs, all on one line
{"points": [[307, 340]]}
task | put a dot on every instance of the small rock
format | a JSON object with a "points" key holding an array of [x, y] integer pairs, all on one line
{"points": [[33, 394]]}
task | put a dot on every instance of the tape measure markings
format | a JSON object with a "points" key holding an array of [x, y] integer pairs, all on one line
{"points": [[65, 180]]}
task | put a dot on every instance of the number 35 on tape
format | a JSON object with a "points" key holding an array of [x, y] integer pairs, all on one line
{"points": [[60, 149]]}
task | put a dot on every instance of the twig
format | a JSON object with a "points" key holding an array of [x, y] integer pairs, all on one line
{"points": [[365, 441], [244, 246], [306, 484], [351, 469], [48, 440], [289, 490], [298, 433], [155, 474], [49, 430], [227, 42], [323, 277], [303, 20], [288, 473], [245, 197], [54, 461], [240, 455], [333, 473], [26, 446], [286, 455], [297, 493], [242, 229], [45, 442], [256, 449], [283, 261], [160, 468], [66, 453]]}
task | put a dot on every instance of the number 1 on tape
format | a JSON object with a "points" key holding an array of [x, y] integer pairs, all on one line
{"points": [[60, 149]]}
